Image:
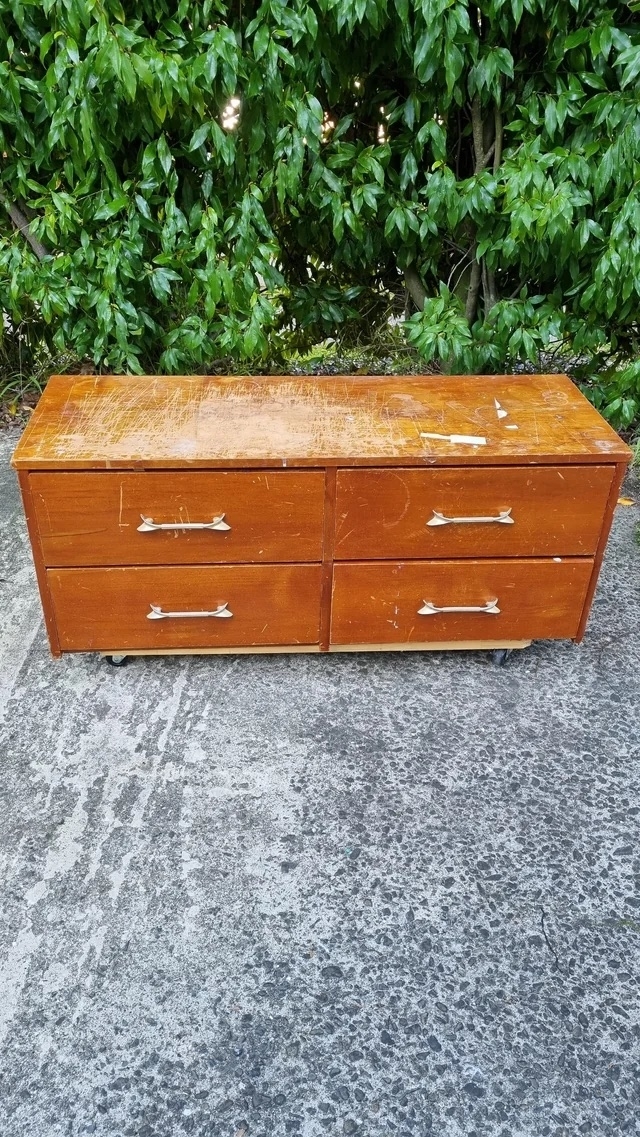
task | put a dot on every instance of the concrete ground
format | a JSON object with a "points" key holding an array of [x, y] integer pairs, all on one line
{"points": [[377, 894]]}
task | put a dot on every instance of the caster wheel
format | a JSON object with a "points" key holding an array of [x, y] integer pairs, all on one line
{"points": [[501, 655], [116, 660]]}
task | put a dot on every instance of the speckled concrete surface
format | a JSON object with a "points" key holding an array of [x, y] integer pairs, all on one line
{"points": [[376, 895]]}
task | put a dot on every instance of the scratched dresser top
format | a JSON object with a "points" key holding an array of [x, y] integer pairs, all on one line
{"points": [[90, 422]]}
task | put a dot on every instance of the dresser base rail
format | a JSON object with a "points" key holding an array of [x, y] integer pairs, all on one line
{"points": [[286, 649], [443, 645]]}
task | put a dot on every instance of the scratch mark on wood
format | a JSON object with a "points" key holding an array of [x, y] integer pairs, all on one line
{"points": [[285, 419]]}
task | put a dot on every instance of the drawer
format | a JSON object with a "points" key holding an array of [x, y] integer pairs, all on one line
{"points": [[381, 603], [103, 609], [495, 511], [95, 518]]}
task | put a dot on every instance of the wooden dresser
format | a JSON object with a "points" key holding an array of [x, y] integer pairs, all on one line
{"points": [[198, 514]]}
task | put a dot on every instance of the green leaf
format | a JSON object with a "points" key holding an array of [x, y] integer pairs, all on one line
{"points": [[200, 135], [576, 38], [332, 181], [110, 208], [261, 41], [164, 154], [630, 59], [128, 75], [143, 206]]}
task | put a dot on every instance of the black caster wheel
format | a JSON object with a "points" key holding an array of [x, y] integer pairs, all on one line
{"points": [[501, 655], [116, 660]]}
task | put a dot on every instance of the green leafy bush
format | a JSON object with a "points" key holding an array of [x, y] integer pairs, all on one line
{"points": [[187, 182]]}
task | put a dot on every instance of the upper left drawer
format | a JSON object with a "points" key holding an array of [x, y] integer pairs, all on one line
{"points": [[179, 517]]}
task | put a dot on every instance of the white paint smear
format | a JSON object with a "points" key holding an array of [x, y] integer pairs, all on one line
{"points": [[13, 975], [465, 439]]}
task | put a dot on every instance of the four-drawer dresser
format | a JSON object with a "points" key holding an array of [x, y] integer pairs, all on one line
{"points": [[322, 513]]}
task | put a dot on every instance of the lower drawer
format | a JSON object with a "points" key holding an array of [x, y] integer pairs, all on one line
{"points": [[407, 602], [106, 609]]}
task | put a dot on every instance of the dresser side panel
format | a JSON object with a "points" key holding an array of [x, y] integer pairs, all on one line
{"points": [[38, 561], [607, 522]]}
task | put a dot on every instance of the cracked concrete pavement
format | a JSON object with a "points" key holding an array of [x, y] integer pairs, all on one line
{"points": [[360, 894]]}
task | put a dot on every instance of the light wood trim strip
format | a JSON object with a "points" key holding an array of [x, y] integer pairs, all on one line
{"points": [[268, 649], [445, 645], [313, 649], [618, 477], [38, 560], [328, 549]]}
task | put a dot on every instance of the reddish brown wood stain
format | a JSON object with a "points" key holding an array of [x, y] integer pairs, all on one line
{"points": [[333, 556], [380, 602], [553, 510], [94, 518], [102, 609]]}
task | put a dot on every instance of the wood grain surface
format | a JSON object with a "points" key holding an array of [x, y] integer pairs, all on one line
{"points": [[106, 609], [554, 511], [94, 518], [269, 421], [38, 562], [379, 602]]}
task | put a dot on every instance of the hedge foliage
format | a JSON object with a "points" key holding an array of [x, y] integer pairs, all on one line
{"points": [[187, 181]]}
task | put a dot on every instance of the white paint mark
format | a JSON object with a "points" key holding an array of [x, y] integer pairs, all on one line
{"points": [[168, 710], [111, 822], [67, 849], [118, 875], [45, 1044], [13, 976], [36, 893], [465, 439], [500, 411], [190, 920], [95, 940], [190, 865], [18, 633], [511, 426], [54, 978], [170, 707]]}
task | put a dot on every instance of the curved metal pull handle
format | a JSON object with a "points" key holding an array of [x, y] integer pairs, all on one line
{"points": [[490, 609], [503, 518], [150, 526], [156, 613]]}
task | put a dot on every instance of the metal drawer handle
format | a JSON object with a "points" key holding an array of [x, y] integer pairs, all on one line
{"points": [[490, 608], [503, 518], [149, 525], [156, 613]]}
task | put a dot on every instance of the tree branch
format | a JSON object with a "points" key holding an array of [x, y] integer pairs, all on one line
{"points": [[467, 253], [492, 291], [21, 223], [475, 276], [489, 292], [473, 290], [480, 274], [415, 287], [497, 153], [486, 157], [477, 128]]}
